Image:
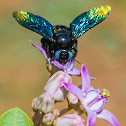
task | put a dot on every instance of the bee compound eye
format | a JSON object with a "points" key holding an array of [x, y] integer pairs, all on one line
{"points": [[57, 53], [70, 55]]}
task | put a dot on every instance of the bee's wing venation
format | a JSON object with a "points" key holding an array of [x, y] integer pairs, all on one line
{"points": [[89, 19], [34, 23]]}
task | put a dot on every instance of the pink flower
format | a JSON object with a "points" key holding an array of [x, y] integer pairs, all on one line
{"points": [[92, 100]]}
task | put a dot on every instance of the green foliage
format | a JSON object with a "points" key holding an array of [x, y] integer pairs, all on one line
{"points": [[15, 117]]}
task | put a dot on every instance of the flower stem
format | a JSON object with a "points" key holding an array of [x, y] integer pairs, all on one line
{"points": [[79, 112], [66, 109], [37, 117]]}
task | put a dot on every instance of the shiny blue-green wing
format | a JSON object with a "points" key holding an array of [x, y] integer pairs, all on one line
{"points": [[89, 19], [34, 23]]}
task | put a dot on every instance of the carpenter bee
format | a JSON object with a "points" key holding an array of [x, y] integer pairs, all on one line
{"points": [[59, 41]]}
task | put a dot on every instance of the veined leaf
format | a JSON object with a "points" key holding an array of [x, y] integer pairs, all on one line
{"points": [[15, 117]]}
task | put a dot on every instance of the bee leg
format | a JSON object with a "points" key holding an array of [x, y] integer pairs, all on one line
{"points": [[47, 50], [45, 46], [74, 51], [53, 55]]}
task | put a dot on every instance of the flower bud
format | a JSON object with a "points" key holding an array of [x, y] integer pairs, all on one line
{"points": [[45, 103], [54, 85], [70, 120], [48, 119], [73, 101], [34, 105], [56, 113]]}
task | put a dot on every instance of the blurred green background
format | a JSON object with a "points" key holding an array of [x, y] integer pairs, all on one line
{"points": [[23, 73]]}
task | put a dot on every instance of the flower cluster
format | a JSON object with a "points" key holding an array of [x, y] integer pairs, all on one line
{"points": [[83, 99]]}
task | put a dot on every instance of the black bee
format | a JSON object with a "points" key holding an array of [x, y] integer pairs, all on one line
{"points": [[63, 47], [59, 41]]}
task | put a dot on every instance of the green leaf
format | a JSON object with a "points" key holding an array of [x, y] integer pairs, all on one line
{"points": [[15, 117]]}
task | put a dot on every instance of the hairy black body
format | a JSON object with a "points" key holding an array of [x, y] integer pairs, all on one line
{"points": [[63, 47]]}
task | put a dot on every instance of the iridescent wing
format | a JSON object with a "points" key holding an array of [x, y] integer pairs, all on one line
{"points": [[34, 23], [89, 19]]}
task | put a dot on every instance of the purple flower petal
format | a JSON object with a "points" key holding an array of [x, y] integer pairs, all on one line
{"points": [[71, 66], [91, 119], [109, 117], [85, 77], [98, 105], [91, 95], [66, 66], [75, 71], [56, 63], [74, 90], [94, 100], [40, 48]]}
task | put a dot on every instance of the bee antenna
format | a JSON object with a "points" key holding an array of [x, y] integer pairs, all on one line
{"points": [[77, 61]]}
